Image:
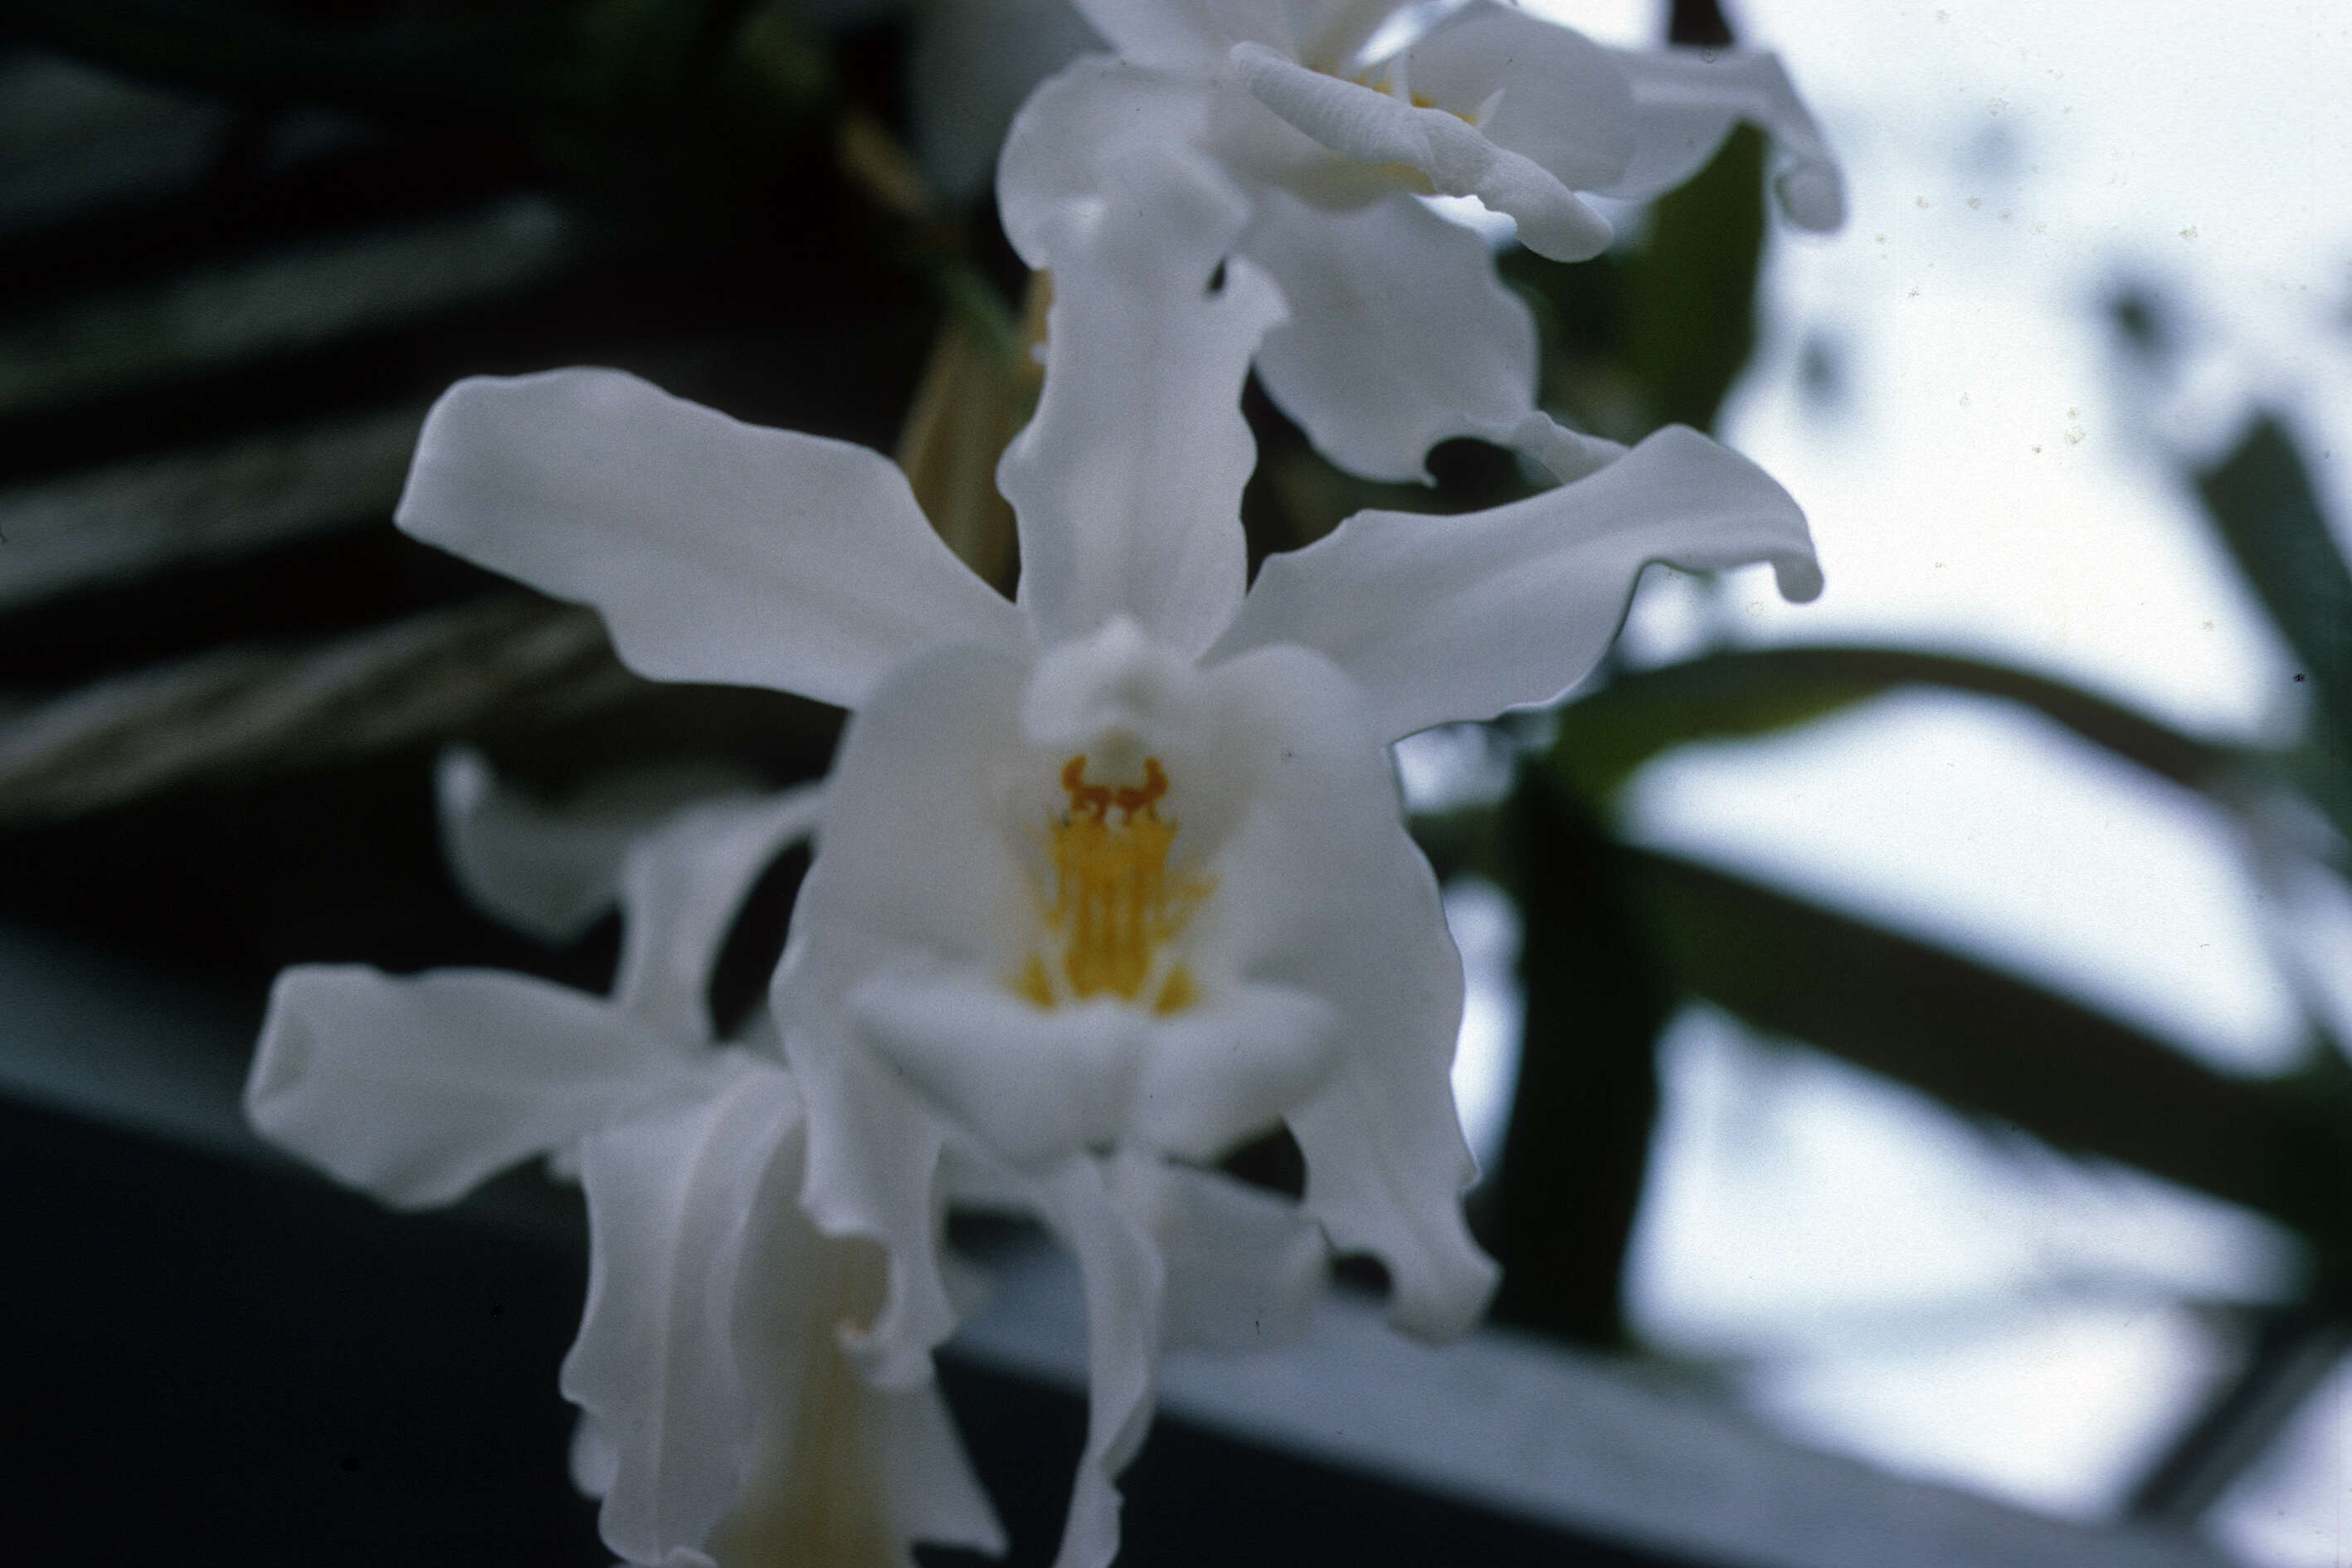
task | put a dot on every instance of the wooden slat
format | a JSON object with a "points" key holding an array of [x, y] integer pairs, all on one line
{"points": [[134, 519], [1563, 1436], [250, 712], [73, 137], [280, 303]]}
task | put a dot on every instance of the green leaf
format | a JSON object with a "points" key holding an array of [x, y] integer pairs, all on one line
{"points": [[1990, 1044], [1732, 696], [1561, 1213], [2262, 503], [1690, 297]]}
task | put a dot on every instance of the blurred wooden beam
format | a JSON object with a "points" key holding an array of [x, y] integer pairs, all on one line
{"points": [[280, 303], [126, 521], [242, 713]]}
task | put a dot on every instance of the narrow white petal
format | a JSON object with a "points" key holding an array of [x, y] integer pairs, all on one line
{"points": [[681, 888], [1400, 333], [1076, 125], [1243, 1267], [1687, 100], [717, 550], [550, 870], [1128, 482], [418, 1089], [928, 1486], [671, 1200], [1123, 1279], [1326, 892], [1454, 157], [1441, 618]]}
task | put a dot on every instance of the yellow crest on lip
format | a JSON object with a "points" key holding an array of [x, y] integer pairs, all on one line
{"points": [[1110, 906]]}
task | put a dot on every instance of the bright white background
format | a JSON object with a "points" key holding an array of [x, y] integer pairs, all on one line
{"points": [[1940, 387]]}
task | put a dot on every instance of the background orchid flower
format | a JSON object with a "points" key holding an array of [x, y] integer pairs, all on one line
{"points": [[1333, 116], [1113, 878], [721, 1419]]}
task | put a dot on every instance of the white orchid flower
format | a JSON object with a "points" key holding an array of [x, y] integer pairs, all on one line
{"points": [[1114, 877], [1335, 116], [722, 1419]]}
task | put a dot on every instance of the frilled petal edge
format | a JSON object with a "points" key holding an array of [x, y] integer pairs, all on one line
{"points": [[1400, 333], [681, 888], [1347, 909], [908, 850], [1541, 89], [1686, 100], [656, 1367], [1444, 618]]}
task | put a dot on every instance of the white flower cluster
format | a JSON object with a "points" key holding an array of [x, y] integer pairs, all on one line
{"points": [[1113, 879]]}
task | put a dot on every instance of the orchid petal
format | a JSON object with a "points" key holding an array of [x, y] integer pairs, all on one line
{"points": [[912, 844], [1400, 333], [1034, 1083], [593, 1460], [550, 870], [1123, 1280], [681, 889], [1327, 891], [1455, 157], [873, 1174], [1243, 1267], [418, 1089], [838, 1472], [1128, 482], [1686, 103], [912, 861], [928, 1486], [1037, 1083], [717, 550], [1075, 125], [670, 1201], [1544, 91], [1224, 1069], [1568, 455], [1441, 618], [1171, 34]]}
